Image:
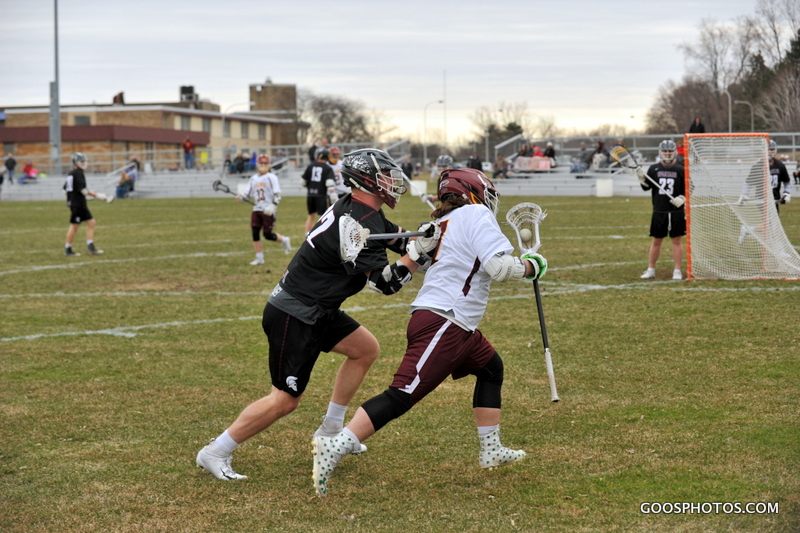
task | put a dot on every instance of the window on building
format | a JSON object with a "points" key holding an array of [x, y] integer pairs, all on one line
{"points": [[207, 125], [186, 123], [262, 132], [245, 130], [83, 120], [226, 129]]}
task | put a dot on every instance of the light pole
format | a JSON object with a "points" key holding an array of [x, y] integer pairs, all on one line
{"points": [[730, 112], [487, 144], [425, 132], [752, 123]]}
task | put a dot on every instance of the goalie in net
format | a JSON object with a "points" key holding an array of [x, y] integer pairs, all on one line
{"points": [[733, 227]]}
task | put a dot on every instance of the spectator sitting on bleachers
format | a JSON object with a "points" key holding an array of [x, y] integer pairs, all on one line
{"points": [[582, 162], [126, 181], [238, 164], [600, 157], [537, 152], [524, 151], [500, 167], [29, 173], [551, 153]]}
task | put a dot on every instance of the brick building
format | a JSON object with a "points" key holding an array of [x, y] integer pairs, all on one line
{"points": [[154, 132]]}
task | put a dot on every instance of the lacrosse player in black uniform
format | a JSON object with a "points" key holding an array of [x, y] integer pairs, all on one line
{"points": [[303, 317], [669, 218], [315, 179], [778, 176], [75, 187]]}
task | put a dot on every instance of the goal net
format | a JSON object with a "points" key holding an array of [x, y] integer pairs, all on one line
{"points": [[733, 228]]}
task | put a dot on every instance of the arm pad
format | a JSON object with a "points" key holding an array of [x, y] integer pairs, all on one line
{"points": [[504, 267], [391, 279]]}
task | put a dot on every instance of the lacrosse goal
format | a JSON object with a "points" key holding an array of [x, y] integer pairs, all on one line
{"points": [[733, 229]]}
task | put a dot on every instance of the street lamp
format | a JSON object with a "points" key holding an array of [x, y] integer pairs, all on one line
{"points": [[425, 131], [752, 124], [730, 112]]}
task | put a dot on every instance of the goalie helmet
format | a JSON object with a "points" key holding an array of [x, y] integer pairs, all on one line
{"points": [[443, 162], [79, 160], [470, 184], [262, 163], [667, 151], [375, 172], [773, 147]]}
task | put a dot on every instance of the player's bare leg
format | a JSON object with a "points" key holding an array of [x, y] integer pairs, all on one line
{"points": [[677, 257], [655, 251], [261, 414], [361, 349], [259, 250], [310, 222], [71, 232]]}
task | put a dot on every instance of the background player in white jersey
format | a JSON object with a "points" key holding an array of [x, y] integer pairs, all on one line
{"points": [[668, 218], [340, 188], [76, 190], [303, 317], [265, 191], [443, 335]]}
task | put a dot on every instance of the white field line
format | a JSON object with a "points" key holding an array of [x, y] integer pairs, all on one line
{"points": [[118, 246], [133, 225], [553, 289]]}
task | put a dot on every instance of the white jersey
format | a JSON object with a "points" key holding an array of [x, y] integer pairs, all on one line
{"points": [[262, 188], [339, 185], [457, 284]]}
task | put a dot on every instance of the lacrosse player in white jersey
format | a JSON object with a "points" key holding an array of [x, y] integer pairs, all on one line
{"points": [[265, 191], [340, 188], [443, 335]]}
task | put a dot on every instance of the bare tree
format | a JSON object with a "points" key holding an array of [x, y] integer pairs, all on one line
{"points": [[779, 106], [334, 118], [778, 22]]}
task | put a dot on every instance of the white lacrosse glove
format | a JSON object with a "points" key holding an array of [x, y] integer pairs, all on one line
{"points": [[678, 201], [270, 210], [539, 264], [276, 198], [420, 249], [101, 196], [742, 199], [641, 173], [786, 198], [332, 196]]}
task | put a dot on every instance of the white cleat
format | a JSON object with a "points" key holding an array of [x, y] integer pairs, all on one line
{"points": [[676, 275], [257, 261], [218, 465], [287, 245], [650, 273], [331, 429], [493, 454], [328, 451]]}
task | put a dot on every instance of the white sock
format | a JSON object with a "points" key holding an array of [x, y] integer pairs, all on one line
{"points": [[336, 413], [88, 242], [225, 443], [67, 245], [485, 430], [260, 255]]}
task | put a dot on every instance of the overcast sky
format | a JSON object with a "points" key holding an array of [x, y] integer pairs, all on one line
{"points": [[582, 62]]}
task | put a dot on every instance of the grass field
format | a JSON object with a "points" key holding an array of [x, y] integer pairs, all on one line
{"points": [[117, 369]]}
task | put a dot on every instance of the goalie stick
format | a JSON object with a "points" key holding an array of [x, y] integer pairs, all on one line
{"points": [[528, 216], [622, 156], [221, 187]]}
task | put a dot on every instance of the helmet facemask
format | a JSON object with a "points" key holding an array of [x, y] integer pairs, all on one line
{"points": [[390, 181], [262, 164]]}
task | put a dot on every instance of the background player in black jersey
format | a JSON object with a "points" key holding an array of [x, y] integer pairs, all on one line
{"points": [[77, 191], [315, 179], [303, 317], [778, 175], [668, 217]]}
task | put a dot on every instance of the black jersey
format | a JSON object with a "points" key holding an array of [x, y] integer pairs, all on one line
{"points": [[777, 175], [75, 184], [671, 180], [315, 176], [317, 275]]}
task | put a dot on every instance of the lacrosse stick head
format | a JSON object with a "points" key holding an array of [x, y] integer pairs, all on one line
{"points": [[525, 219], [352, 238], [621, 155], [220, 187]]}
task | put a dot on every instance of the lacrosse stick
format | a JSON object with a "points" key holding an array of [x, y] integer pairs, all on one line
{"points": [[353, 237], [525, 219], [422, 196], [221, 187], [622, 156]]}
